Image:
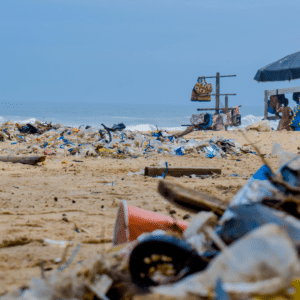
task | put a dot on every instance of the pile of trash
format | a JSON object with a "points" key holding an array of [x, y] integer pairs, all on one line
{"points": [[247, 250], [117, 141]]}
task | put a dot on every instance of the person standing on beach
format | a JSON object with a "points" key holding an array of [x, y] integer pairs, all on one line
{"points": [[287, 115]]}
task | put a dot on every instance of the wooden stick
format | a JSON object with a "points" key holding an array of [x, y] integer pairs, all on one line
{"points": [[185, 132], [181, 171], [219, 76], [191, 200], [220, 108], [29, 160]]}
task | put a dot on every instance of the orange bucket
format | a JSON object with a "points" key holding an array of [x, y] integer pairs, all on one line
{"points": [[132, 221]]}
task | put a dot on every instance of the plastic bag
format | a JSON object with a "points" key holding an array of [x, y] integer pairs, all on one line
{"points": [[260, 126], [263, 262]]}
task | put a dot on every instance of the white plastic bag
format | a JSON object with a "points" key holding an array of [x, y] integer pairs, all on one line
{"points": [[263, 262]]}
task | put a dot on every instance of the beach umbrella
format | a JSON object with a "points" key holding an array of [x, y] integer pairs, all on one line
{"points": [[287, 68]]}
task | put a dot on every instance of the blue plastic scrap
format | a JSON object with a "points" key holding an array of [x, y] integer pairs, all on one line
{"points": [[235, 175], [271, 110], [246, 217], [178, 151], [220, 293], [164, 175], [209, 122], [156, 134], [67, 142], [210, 152], [262, 173]]}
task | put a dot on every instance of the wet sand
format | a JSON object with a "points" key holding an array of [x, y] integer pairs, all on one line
{"points": [[46, 201]]}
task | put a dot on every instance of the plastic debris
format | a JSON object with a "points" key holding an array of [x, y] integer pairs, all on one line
{"points": [[260, 126], [140, 172], [249, 248], [62, 244], [116, 142], [271, 263]]}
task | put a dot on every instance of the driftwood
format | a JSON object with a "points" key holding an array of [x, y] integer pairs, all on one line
{"points": [[29, 160], [189, 199], [181, 171], [185, 132]]}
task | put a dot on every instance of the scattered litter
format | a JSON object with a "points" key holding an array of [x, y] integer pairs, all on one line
{"points": [[203, 258], [73, 255], [58, 260], [140, 172], [115, 142], [260, 274], [62, 244]]}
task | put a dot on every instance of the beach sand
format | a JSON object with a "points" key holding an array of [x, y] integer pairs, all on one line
{"points": [[45, 202]]}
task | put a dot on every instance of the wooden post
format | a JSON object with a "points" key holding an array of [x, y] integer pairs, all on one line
{"points": [[266, 105], [217, 92], [226, 108], [29, 160], [226, 103], [181, 171]]}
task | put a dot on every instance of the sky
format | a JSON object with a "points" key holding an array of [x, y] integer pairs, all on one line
{"points": [[147, 52]]}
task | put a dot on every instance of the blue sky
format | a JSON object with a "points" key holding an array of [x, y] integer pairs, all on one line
{"points": [[150, 51]]}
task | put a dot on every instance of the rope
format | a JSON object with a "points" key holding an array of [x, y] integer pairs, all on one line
{"points": [[62, 268]]}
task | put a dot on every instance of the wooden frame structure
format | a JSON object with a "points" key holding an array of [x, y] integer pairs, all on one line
{"points": [[217, 94], [277, 92]]}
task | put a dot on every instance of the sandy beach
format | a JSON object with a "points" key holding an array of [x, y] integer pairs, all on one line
{"points": [[49, 201]]}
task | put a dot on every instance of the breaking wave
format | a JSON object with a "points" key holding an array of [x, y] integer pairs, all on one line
{"points": [[247, 120]]}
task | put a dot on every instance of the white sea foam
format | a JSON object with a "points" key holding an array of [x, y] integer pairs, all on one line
{"points": [[17, 119], [247, 120], [150, 127], [142, 127]]}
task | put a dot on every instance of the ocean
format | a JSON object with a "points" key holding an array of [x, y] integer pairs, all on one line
{"points": [[135, 116]]}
